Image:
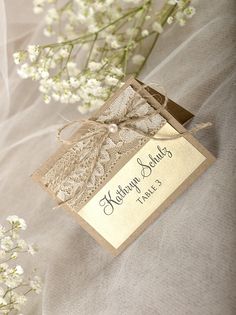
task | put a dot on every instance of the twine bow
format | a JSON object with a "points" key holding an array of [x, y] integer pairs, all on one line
{"points": [[115, 127], [104, 129]]}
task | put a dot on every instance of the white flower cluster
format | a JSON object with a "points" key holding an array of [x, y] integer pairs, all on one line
{"points": [[83, 14], [86, 67], [90, 87], [13, 287], [183, 13], [39, 5]]}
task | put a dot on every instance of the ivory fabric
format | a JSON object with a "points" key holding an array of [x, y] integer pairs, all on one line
{"points": [[184, 263]]}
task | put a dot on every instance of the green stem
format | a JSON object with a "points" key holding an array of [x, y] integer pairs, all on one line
{"points": [[65, 6], [28, 291], [142, 19], [9, 290], [149, 53], [10, 250], [168, 10], [9, 230], [91, 50]]}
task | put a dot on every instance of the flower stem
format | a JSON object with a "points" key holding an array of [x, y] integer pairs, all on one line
{"points": [[28, 291], [91, 49], [168, 10]]}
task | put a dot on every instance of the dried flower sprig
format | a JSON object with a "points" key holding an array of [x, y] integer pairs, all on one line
{"points": [[14, 288], [86, 69]]}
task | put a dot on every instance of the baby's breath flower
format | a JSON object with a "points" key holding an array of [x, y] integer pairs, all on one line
{"points": [[3, 254], [180, 3], [117, 71], [33, 52], [74, 82], [74, 98], [14, 234], [114, 44], [25, 71], [97, 103], [94, 66], [180, 18], [17, 300], [43, 72], [64, 52], [38, 9], [38, 6], [156, 26], [173, 2], [19, 57], [132, 32], [145, 33], [17, 222], [19, 270], [47, 99], [14, 255], [32, 249], [189, 11], [56, 96], [83, 109], [2, 230], [48, 31], [36, 284], [112, 41], [182, 22], [112, 81], [92, 28], [60, 38], [170, 20], [72, 68], [21, 299], [21, 244], [12, 279], [65, 84], [3, 267], [138, 59], [7, 243], [52, 16]]}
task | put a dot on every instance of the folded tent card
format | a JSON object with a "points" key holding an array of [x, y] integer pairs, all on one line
{"points": [[125, 165]]}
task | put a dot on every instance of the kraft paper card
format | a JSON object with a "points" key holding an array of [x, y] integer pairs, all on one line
{"points": [[124, 165]]}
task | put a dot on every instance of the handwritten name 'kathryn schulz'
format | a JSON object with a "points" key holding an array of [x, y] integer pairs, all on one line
{"points": [[110, 200]]}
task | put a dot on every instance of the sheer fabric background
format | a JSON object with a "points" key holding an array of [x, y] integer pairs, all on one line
{"points": [[185, 262]]}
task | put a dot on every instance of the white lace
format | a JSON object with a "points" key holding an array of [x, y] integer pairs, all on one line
{"points": [[70, 172]]}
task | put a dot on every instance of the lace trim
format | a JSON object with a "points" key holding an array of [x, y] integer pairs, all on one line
{"points": [[70, 172]]}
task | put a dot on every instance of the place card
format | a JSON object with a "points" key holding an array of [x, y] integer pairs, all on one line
{"points": [[114, 177]]}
